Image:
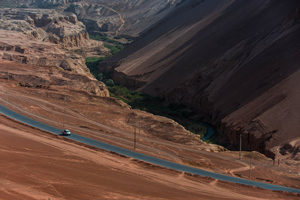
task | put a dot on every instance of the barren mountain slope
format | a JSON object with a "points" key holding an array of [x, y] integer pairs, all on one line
{"points": [[237, 61]]}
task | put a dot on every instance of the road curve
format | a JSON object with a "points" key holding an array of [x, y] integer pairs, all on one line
{"points": [[209, 133], [142, 157]]}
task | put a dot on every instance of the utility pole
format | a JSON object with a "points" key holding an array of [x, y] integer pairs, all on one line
{"points": [[240, 146], [65, 108], [250, 166], [139, 125], [7, 82], [134, 146]]}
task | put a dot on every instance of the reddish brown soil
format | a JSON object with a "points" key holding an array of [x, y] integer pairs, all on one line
{"points": [[39, 165]]}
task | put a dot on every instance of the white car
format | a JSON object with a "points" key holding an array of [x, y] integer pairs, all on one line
{"points": [[66, 132]]}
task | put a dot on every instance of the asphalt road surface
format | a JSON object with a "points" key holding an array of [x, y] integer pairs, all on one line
{"points": [[140, 156]]}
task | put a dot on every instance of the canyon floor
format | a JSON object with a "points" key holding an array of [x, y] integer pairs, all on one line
{"points": [[39, 165]]}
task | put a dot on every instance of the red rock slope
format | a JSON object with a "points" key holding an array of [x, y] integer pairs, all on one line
{"points": [[237, 61]]}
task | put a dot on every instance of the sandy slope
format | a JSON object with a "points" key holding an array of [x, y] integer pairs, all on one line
{"points": [[37, 165]]}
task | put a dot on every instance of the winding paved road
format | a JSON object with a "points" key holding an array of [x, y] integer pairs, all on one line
{"points": [[142, 157], [209, 133]]}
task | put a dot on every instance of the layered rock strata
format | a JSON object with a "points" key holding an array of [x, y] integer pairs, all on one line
{"points": [[48, 25], [70, 69], [20, 48]]}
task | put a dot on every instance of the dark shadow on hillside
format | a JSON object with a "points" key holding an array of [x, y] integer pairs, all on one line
{"points": [[167, 25], [253, 76]]}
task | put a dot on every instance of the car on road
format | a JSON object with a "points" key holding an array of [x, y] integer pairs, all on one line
{"points": [[66, 132]]}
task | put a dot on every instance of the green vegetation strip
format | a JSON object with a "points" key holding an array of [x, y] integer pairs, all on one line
{"points": [[137, 100], [111, 44], [154, 105]]}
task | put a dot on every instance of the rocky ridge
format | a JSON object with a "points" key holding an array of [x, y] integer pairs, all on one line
{"points": [[128, 18], [19, 48], [48, 25], [48, 38]]}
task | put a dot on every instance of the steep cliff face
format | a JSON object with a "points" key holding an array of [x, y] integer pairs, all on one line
{"points": [[48, 25], [237, 61], [47, 37], [130, 17], [19, 49], [98, 18], [113, 17]]}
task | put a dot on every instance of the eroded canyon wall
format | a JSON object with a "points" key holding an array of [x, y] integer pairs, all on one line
{"points": [[236, 61]]}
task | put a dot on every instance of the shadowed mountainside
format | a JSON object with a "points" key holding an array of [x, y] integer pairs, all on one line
{"points": [[237, 61]]}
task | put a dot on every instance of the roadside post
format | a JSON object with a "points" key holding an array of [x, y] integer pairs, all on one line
{"points": [[6, 88], [65, 99], [139, 124], [134, 142], [240, 157], [250, 166]]}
